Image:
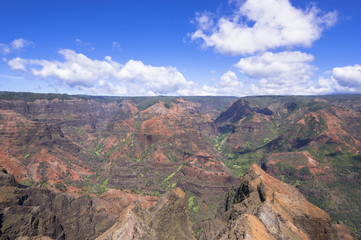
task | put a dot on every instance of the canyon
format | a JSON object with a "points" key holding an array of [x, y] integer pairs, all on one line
{"points": [[83, 167]]}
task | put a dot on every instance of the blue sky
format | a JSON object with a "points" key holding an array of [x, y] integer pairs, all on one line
{"points": [[174, 47]]}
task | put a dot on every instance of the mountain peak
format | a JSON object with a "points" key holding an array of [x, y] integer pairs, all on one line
{"points": [[266, 208], [166, 220]]}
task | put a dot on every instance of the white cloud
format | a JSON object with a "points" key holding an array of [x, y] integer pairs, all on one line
{"points": [[77, 69], [348, 77], [160, 80], [133, 78], [324, 86], [17, 64], [279, 73], [4, 49], [229, 85], [205, 20], [230, 79], [16, 44], [20, 43], [275, 65], [268, 73], [260, 25]]}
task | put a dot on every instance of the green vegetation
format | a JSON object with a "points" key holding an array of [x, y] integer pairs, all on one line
{"points": [[26, 182], [168, 178], [316, 106], [340, 201], [258, 138], [169, 156], [81, 132], [291, 174], [143, 103], [99, 187], [116, 148], [218, 103], [60, 186], [248, 118], [147, 151], [92, 184], [31, 97], [98, 148], [192, 204], [157, 194], [280, 134], [264, 101], [221, 140], [27, 156], [239, 163], [67, 116]]}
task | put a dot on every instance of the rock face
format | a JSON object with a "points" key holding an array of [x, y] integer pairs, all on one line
{"points": [[266, 208], [83, 147], [263, 208], [239, 110], [166, 220], [89, 158], [37, 213]]}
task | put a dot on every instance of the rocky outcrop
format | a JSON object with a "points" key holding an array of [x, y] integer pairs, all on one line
{"points": [[151, 145], [266, 208], [57, 107], [37, 213], [166, 220], [239, 110], [6, 179]]}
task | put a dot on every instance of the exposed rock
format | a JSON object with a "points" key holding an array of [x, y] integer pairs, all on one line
{"points": [[239, 110], [166, 220], [36, 213], [344, 232], [83, 147], [266, 208], [6, 179]]}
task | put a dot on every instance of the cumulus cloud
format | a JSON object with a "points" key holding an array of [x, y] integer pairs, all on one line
{"points": [[268, 73], [17, 64], [279, 73], [16, 44], [277, 66], [160, 79], [20, 43], [133, 78], [260, 25], [278, 69], [230, 80], [205, 20], [348, 77], [324, 86], [77, 69], [229, 85]]}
